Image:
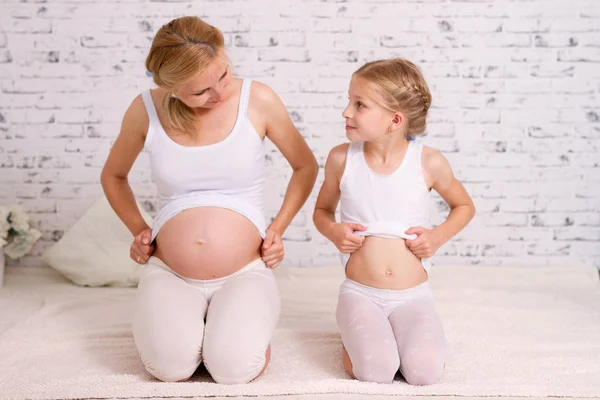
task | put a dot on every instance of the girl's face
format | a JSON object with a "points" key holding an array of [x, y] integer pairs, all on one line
{"points": [[366, 120], [209, 88]]}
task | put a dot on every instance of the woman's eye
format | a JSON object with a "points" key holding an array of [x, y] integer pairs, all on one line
{"points": [[359, 104], [200, 93]]}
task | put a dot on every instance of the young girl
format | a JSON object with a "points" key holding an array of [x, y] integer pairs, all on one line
{"points": [[382, 179], [207, 293]]}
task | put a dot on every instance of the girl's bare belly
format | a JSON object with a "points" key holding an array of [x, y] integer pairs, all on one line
{"points": [[207, 242], [386, 264]]}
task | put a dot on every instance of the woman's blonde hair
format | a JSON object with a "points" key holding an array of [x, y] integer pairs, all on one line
{"points": [[181, 49], [402, 88]]}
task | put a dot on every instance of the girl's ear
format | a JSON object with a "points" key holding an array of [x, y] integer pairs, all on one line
{"points": [[397, 120]]}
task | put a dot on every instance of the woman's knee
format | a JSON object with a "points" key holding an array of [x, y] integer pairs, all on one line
{"points": [[235, 363], [171, 366], [170, 360]]}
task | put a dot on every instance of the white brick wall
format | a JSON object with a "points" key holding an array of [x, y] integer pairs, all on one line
{"points": [[516, 106]]}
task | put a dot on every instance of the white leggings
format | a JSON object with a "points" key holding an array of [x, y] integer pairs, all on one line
{"points": [[227, 322], [385, 330]]}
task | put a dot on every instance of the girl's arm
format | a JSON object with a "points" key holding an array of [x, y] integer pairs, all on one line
{"points": [[329, 195], [340, 234], [439, 177]]}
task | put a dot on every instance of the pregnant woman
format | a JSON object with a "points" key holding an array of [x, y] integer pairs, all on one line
{"points": [[208, 293]]}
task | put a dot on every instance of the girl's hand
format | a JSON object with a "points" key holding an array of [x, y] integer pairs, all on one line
{"points": [[272, 249], [141, 249], [343, 237], [427, 242]]}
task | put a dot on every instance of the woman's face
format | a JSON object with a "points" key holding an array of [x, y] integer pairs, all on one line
{"points": [[209, 88]]}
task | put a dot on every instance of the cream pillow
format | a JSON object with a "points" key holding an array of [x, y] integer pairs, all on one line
{"points": [[95, 251]]}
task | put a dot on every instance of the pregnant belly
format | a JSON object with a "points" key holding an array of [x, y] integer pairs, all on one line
{"points": [[385, 263], [207, 242]]}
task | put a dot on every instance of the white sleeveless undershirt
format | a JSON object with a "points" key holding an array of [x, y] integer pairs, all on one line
{"points": [[388, 205], [228, 174]]}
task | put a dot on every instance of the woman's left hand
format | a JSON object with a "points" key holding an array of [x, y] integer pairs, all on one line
{"points": [[426, 244], [272, 249]]}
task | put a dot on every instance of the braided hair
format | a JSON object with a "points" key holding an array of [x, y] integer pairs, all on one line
{"points": [[402, 88]]}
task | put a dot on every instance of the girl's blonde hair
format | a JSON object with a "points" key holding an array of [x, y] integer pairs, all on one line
{"points": [[181, 49], [402, 88]]}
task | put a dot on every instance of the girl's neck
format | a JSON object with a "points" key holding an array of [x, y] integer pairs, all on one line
{"points": [[387, 149]]}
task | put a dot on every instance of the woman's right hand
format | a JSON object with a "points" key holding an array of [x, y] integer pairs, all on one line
{"points": [[141, 248], [343, 237]]}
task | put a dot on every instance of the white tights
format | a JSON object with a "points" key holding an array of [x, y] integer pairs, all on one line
{"points": [[227, 322], [385, 330]]}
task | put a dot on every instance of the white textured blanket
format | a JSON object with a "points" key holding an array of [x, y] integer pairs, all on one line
{"points": [[510, 331]]}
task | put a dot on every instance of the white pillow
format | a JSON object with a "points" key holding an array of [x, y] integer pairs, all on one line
{"points": [[95, 251]]}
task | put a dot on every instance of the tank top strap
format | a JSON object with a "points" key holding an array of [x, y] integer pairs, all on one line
{"points": [[245, 98], [354, 148], [416, 162], [150, 108], [154, 122], [354, 152]]}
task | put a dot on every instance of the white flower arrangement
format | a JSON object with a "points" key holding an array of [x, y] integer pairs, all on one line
{"points": [[18, 232]]}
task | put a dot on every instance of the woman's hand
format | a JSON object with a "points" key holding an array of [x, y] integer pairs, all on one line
{"points": [[343, 237], [272, 249], [426, 244], [141, 248]]}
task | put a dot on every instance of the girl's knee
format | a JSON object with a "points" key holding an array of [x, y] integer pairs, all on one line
{"points": [[422, 370], [378, 373], [380, 369]]}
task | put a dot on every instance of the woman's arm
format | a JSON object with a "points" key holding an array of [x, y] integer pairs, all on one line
{"points": [[439, 177], [123, 153], [282, 132], [280, 129]]}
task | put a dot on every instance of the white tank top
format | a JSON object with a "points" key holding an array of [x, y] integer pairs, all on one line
{"points": [[228, 174], [388, 205]]}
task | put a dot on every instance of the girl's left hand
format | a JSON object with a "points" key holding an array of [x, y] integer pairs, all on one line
{"points": [[427, 242], [272, 249]]}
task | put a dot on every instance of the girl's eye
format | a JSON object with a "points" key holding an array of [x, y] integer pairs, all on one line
{"points": [[359, 104], [200, 93]]}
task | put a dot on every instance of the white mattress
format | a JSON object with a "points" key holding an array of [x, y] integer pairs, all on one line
{"points": [[511, 332]]}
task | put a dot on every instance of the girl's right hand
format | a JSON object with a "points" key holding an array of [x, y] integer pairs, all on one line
{"points": [[141, 248], [343, 237]]}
